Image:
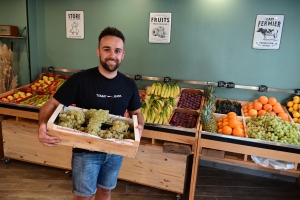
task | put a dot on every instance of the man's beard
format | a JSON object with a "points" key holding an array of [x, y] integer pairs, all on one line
{"points": [[110, 68]]}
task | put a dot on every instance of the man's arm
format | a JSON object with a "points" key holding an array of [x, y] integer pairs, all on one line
{"points": [[140, 117], [45, 113]]}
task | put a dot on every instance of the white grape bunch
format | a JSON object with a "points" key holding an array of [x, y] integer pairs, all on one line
{"points": [[72, 119], [272, 128], [75, 119]]}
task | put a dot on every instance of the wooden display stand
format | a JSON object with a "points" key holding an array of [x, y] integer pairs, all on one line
{"points": [[151, 167]]}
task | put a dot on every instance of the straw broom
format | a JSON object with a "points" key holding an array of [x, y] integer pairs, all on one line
{"points": [[7, 79]]}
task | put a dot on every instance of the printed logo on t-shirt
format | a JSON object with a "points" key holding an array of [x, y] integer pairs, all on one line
{"points": [[109, 96]]}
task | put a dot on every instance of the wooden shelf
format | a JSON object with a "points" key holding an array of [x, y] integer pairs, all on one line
{"points": [[12, 37]]}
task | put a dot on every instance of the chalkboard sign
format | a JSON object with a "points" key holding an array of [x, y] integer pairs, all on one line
{"points": [[230, 85], [221, 84], [137, 77], [167, 79], [50, 69], [263, 88], [297, 92]]}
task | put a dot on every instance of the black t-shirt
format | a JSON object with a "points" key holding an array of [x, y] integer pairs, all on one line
{"points": [[90, 89]]}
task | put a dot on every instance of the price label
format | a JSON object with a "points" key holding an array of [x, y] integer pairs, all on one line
{"points": [[263, 88], [137, 77], [230, 85], [221, 84], [50, 69], [167, 79], [297, 92]]}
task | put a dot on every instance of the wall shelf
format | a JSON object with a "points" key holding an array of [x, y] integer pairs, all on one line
{"points": [[12, 37]]}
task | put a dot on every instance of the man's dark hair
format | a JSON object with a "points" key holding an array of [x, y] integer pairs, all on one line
{"points": [[111, 31]]}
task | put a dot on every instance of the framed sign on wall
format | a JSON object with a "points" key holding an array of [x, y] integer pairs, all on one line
{"points": [[267, 31], [75, 24], [160, 28]]}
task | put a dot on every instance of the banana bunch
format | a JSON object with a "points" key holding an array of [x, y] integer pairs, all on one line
{"points": [[158, 113], [155, 89], [169, 91], [145, 109]]}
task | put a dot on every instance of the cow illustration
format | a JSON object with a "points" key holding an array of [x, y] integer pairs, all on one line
{"points": [[74, 28], [268, 32]]}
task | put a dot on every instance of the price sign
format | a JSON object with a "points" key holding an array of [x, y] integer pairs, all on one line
{"points": [[137, 77], [221, 84], [50, 69], [167, 79], [297, 92], [263, 88], [230, 85]]}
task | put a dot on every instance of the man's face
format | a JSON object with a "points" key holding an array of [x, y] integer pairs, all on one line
{"points": [[111, 52]]}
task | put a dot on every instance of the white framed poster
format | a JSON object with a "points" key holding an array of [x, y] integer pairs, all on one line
{"points": [[267, 31], [75, 24], [160, 28]]}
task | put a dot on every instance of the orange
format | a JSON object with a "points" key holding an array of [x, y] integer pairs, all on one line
{"points": [[220, 120], [272, 101], [277, 108], [220, 124], [263, 99], [267, 107], [252, 113], [219, 130], [238, 132], [231, 114], [246, 114], [245, 110], [261, 112], [227, 130], [256, 100], [272, 113], [283, 116], [233, 123], [225, 123], [257, 105]]}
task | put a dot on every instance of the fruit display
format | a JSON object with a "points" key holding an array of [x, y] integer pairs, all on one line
{"points": [[294, 108], [272, 128], [16, 97], [190, 98], [184, 119], [262, 105], [227, 106], [36, 100], [230, 124], [208, 120], [37, 93], [164, 91], [157, 111]]}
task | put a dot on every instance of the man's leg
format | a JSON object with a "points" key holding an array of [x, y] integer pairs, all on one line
{"points": [[102, 194]]}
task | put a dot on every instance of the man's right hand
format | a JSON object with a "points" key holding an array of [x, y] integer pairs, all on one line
{"points": [[46, 139]]}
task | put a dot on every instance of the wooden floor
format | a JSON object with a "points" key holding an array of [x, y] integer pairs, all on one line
{"points": [[26, 181]]}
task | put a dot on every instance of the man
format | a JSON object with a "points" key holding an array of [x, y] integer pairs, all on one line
{"points": [[102, 87]]}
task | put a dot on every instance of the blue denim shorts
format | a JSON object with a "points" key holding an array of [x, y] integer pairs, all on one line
{"points": [[94, 169]]}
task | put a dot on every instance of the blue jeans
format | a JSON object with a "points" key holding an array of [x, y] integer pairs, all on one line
{"points": [[94, 169]]}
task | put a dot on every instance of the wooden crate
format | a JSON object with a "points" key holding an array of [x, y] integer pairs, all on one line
{"points": [[153, 167], [75, 138], [20, 142]]}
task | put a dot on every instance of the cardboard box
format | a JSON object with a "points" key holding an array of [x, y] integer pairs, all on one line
{"points": [[7, 30], [74, 138]]}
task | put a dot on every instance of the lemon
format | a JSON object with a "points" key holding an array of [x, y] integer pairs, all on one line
{"points": [[290, 103], [291, 109], [295, 106], [295, 119], [296, 100], [296, 97], [296, 114]]}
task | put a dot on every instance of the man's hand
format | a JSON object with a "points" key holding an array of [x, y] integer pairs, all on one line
{"points": [[46, 139], [141, 128]]}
